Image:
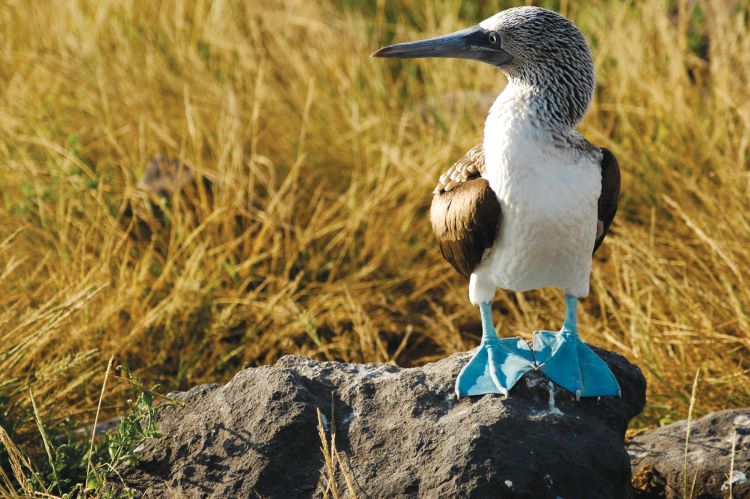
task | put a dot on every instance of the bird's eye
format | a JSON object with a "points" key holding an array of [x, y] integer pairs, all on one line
{"points": [[493, 38]]}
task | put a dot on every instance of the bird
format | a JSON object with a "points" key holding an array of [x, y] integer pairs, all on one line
{"points": [[528, 206]]}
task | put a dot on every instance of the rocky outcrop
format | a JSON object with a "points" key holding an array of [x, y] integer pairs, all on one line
{"points": [[660, 462], [398, 433]]}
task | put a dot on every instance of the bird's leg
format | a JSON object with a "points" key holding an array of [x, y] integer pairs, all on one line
{"points": [[569, 362], [570, 324], [498, 363]]}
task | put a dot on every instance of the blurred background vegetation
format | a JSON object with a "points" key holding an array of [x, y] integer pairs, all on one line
{"points": [[309, 233]]}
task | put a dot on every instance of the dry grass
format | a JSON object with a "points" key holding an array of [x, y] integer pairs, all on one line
{"points": [[315, 239]]}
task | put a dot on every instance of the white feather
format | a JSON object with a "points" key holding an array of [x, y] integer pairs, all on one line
{"points": [[548, 194]]}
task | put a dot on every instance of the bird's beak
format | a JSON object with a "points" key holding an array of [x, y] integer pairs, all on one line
{"points": [[473, 43]]}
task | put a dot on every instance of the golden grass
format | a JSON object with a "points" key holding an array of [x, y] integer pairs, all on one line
{"points": [[315, 240], [336, 468]]}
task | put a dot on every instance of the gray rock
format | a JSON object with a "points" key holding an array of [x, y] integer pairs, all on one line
{"points": [[399, 433], [658, 458]]}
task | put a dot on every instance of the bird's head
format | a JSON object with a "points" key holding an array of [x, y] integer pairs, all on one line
{"points": [[531, 45]]}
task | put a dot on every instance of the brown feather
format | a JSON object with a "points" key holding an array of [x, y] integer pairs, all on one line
{"points": [[469, 167], [465, 213], [609, 196]]}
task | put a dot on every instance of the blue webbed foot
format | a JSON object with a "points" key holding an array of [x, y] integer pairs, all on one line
{"points": [[570, 363], [497, 365]]}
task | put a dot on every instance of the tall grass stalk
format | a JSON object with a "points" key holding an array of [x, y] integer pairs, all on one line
{"points": [[731, 464], [687, 439], [47, 448], [96, 418]]}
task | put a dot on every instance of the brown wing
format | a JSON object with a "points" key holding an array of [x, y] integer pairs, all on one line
{"points": [[465, 213], [609, 196]]}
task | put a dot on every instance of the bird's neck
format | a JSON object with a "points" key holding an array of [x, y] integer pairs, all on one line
{"points": [[548, 101], [527, 122]]}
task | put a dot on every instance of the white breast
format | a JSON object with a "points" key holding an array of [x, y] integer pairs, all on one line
{"points": [[548, 196]]}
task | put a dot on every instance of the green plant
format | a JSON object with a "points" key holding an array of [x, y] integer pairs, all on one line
{"points": [[64, 469]]}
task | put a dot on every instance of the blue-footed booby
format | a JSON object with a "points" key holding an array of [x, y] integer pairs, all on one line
{"points": [[528, 206]]}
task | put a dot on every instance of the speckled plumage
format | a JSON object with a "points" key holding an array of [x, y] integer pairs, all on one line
{"points": [[469, 167], [552, 70]]}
